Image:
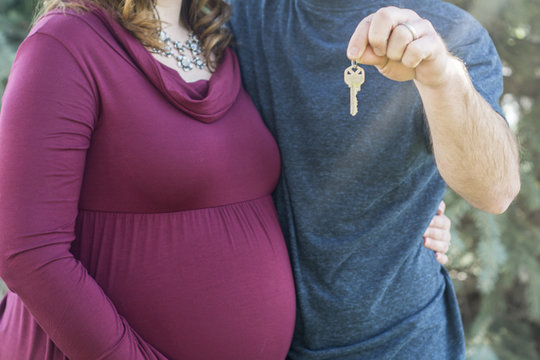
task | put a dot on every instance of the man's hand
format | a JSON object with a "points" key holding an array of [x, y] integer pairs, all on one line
{"points": [[437, 236], [402, 45]]}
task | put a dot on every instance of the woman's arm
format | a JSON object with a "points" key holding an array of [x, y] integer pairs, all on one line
{"points": [[47, 118]]}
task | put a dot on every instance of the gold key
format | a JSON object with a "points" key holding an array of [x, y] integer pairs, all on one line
{"points": [[354, 78]]}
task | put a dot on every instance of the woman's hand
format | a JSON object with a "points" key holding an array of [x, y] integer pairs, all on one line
{"points": [[437, 236]]}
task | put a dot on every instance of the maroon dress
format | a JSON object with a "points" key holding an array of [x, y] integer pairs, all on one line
{"points": [[136, 218]]}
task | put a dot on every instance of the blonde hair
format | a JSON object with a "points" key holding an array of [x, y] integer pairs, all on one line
{"points": [[206, 18]]}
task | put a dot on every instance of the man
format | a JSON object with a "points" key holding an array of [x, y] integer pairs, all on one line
{"points": [[357, 192]]}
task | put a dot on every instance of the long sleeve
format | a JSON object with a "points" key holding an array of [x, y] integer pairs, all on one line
{"points": [[48, 114]]}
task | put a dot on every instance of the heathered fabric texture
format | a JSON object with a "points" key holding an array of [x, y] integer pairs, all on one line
{"points": [[356, 193], [136, 219]]}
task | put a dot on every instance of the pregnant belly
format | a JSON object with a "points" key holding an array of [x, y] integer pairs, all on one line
{"points": [[202, 284]]}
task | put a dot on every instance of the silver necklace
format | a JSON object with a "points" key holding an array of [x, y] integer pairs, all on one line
{"points": [[177, 50]]}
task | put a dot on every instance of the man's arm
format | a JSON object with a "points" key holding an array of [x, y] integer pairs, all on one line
{"points": [[475, 151]]}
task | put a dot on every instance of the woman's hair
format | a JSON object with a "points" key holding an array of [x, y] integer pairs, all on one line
{"points": [[206, 18]]}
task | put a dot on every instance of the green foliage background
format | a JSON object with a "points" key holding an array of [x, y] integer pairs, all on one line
{"points": [[495, 260]]}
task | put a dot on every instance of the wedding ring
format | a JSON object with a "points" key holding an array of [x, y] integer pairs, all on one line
{"points": [[411, 29]]}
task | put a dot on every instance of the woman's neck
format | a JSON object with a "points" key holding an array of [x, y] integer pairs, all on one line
{"points": [[169, 11]]}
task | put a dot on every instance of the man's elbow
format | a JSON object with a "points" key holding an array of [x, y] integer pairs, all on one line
{"points": [[501, 199]]}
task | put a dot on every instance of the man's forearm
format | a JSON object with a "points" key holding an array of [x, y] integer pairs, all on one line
{"points": [[476, 153]]}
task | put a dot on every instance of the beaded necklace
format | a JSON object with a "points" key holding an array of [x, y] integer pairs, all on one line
{"points": [[177, 50]]}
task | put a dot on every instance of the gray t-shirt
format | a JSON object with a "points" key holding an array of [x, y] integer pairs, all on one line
{"points": [[357, 193]]}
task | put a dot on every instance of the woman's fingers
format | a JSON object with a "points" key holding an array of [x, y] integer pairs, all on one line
{"points": [[441, 258], [439, 246], [437, 236], [442, 208]]}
